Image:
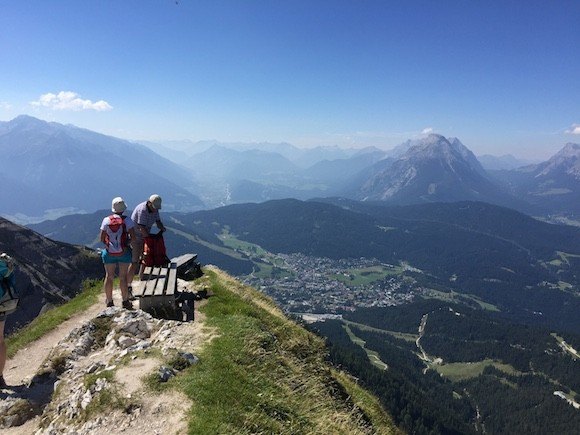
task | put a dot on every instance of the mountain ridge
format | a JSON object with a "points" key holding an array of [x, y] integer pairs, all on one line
{"points": [[70, 167], [48, 272]]}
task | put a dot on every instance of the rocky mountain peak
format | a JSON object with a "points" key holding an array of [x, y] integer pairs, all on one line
{"points": [[432, 145], [566, 161], [570, 150], [449, 150], [433, 168], [25, 123]]}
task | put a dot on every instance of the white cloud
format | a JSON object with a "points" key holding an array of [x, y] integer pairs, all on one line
{"points": [[574, 129], [427, 130], [4, 105], [66, 100]]}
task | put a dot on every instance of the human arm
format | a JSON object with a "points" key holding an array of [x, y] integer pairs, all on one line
{"points": [[104, 237], [132, 233], [160, 225]]}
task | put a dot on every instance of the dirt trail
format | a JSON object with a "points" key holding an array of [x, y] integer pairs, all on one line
{"points": [[158, 414], [20, 369]]}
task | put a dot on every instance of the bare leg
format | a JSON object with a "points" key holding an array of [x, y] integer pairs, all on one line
{"points": [[2, 348], [134, 269], [109, 275], [123, 268]]}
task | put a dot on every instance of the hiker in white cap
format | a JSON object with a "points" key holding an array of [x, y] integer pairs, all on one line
{"points": [[144, 215], [116, 232]]}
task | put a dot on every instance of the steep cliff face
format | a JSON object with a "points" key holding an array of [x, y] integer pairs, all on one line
{"points": [[48, 272]]}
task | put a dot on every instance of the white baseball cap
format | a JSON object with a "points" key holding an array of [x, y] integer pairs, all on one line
{"points": [[155, 201]]}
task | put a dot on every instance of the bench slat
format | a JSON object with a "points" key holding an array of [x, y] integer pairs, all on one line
{"points": [[183, 259], [152, 282], [161, 282], [171, 280]]}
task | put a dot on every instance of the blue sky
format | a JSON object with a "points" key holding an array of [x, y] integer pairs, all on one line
{"points": [[503, 76]]}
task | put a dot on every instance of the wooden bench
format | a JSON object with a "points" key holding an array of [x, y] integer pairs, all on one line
{"points": [[158, 294], [157, 290]]}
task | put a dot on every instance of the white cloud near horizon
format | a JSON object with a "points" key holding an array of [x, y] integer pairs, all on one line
{"points": [[67, 100], [5, 105], [427, 130], [574, 129]]}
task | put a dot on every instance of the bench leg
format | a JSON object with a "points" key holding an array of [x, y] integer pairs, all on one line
{"points": [[188, 309], [161, 307]]}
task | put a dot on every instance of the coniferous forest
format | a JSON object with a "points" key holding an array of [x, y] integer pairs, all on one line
{"points": [[479, 372]]}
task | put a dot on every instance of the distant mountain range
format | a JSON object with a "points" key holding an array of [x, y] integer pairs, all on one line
{"points": [[301, 157], [430, 169], [53, 166], [56, 169], [507, 162]]}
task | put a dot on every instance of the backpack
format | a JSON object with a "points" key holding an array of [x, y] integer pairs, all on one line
{"points": [[116, 235], [154, 253], [8, 296]]}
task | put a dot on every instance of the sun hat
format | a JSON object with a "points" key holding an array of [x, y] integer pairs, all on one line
{"points": [[118, 205], [155, 201]]}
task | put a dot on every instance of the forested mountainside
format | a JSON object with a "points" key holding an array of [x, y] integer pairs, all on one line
{"points": [[443, 367], [521, 265]]}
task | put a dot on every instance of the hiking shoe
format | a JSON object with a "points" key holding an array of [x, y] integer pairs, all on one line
{"points": [[127, 305], [110, 304], [131, 297], [3, 383]]}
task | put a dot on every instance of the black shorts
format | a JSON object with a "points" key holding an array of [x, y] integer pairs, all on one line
{"points": [[2, 317]]}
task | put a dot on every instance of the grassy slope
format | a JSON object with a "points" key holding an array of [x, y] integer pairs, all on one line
{"points": [[266, 374]]}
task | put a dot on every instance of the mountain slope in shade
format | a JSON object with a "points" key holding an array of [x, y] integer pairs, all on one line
{"points": [[53, 166], [433, 169], [48, 272]]}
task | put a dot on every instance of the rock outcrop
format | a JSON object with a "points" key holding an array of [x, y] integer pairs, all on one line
{"points": [[95, 378]]}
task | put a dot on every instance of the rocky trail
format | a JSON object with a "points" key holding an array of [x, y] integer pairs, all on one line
{"points": [[66, 381]]}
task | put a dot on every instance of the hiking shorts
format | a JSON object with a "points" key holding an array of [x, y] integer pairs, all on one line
{"points": [[113, 259]]}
